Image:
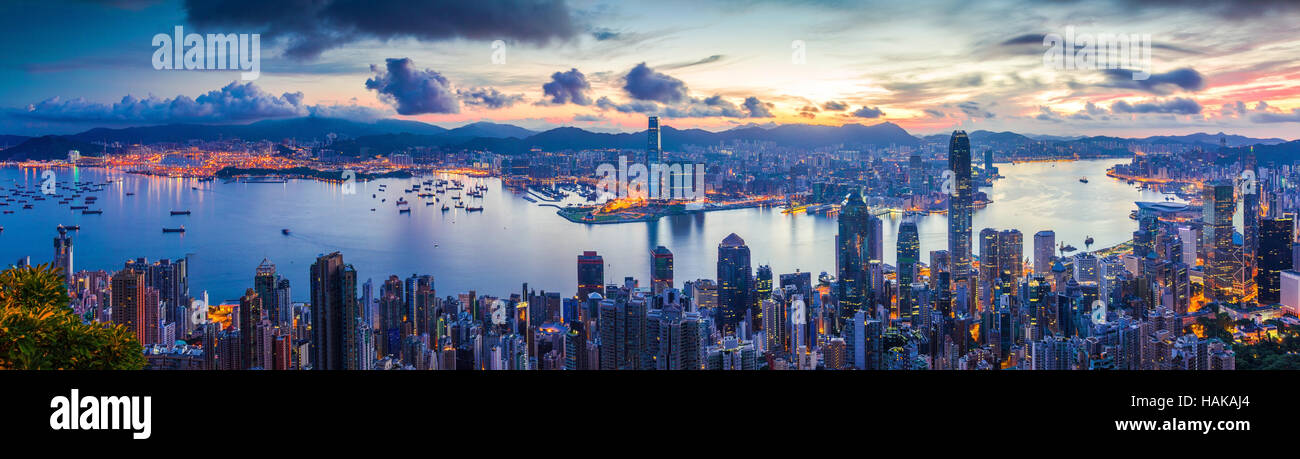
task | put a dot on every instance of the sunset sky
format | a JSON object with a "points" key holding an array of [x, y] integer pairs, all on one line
{"points": [[604, 65]]}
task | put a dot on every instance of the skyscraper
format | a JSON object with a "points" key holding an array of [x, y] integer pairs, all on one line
{"points": [[128, 302], [63, 254], [335, 318], [1275, 236], [1044, 249], [661, 269], [989, 272], [591, 274], [909, 253], [1011, 256], [734, 278], [1217, 215], [653, 149], [852, 254], [959, 206]]}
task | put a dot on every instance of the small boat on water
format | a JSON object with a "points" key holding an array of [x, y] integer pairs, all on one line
{"points": [[444, 208], [1083, 179], [180, 212], [285, 231], [404, 211], [474, 209], [174, 230], [92, 212]]}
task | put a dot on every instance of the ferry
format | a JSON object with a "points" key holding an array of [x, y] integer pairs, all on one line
{"points": [[404, 211], [92, 212], [474, 209], [180, 212], [174, 230], [401, 201]]}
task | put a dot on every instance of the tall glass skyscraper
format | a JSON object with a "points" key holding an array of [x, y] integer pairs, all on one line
{"points": [[661, 269], [1275, 236], [591, 274], [959, 206], [653, 149], [853, 254], [335, 317], [734, 282], [1044, 250], [909, 253]]}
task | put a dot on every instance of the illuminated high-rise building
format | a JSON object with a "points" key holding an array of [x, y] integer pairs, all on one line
{"points": [[661, 269], [591, 274], [1011, 256], [654, 147], [734, 279], [335, 317], [960, 206], [852, 254], [128, 303], [1275, 236], [908, 255], [1217, 215], [989, 272]]}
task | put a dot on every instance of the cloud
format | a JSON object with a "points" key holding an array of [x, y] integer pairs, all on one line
{"points": [[975, 110], [411, 91], [489, 97], [1186, 79], [681, 65], [588, 118], [868, 112], [835, 106], [757, 108], [1177, 106], [568, 87], [310, 27], [236, 101], [643, 83], [1276, 117]]}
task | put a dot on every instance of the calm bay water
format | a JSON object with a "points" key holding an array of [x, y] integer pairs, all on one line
{"points": [[234, 226]]}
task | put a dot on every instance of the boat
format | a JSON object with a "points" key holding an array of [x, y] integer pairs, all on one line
{"points": [[404, 211], [401, 201], [180, 212], [285, 231], [92, 212], [174, 230], [460, 205], [1083, 179], [474, 209], [444, 208], [1088, 241]]}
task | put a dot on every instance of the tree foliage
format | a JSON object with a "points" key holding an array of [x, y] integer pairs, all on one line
{"points": [[38, 331]]}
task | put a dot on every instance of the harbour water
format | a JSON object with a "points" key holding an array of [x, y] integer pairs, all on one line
{"points": [[233, 226]]}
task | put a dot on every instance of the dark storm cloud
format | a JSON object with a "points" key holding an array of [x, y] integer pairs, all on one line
{"points": [[411, 91], [1234, 10], [235, 102], [643, 83], [975, 110], [309, 27], [868, 112], [568, 87], [489, 97], [1185, 79], [1177, 106]]}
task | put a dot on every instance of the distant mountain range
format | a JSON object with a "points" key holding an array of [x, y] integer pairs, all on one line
{"points": [[388, 135]]}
